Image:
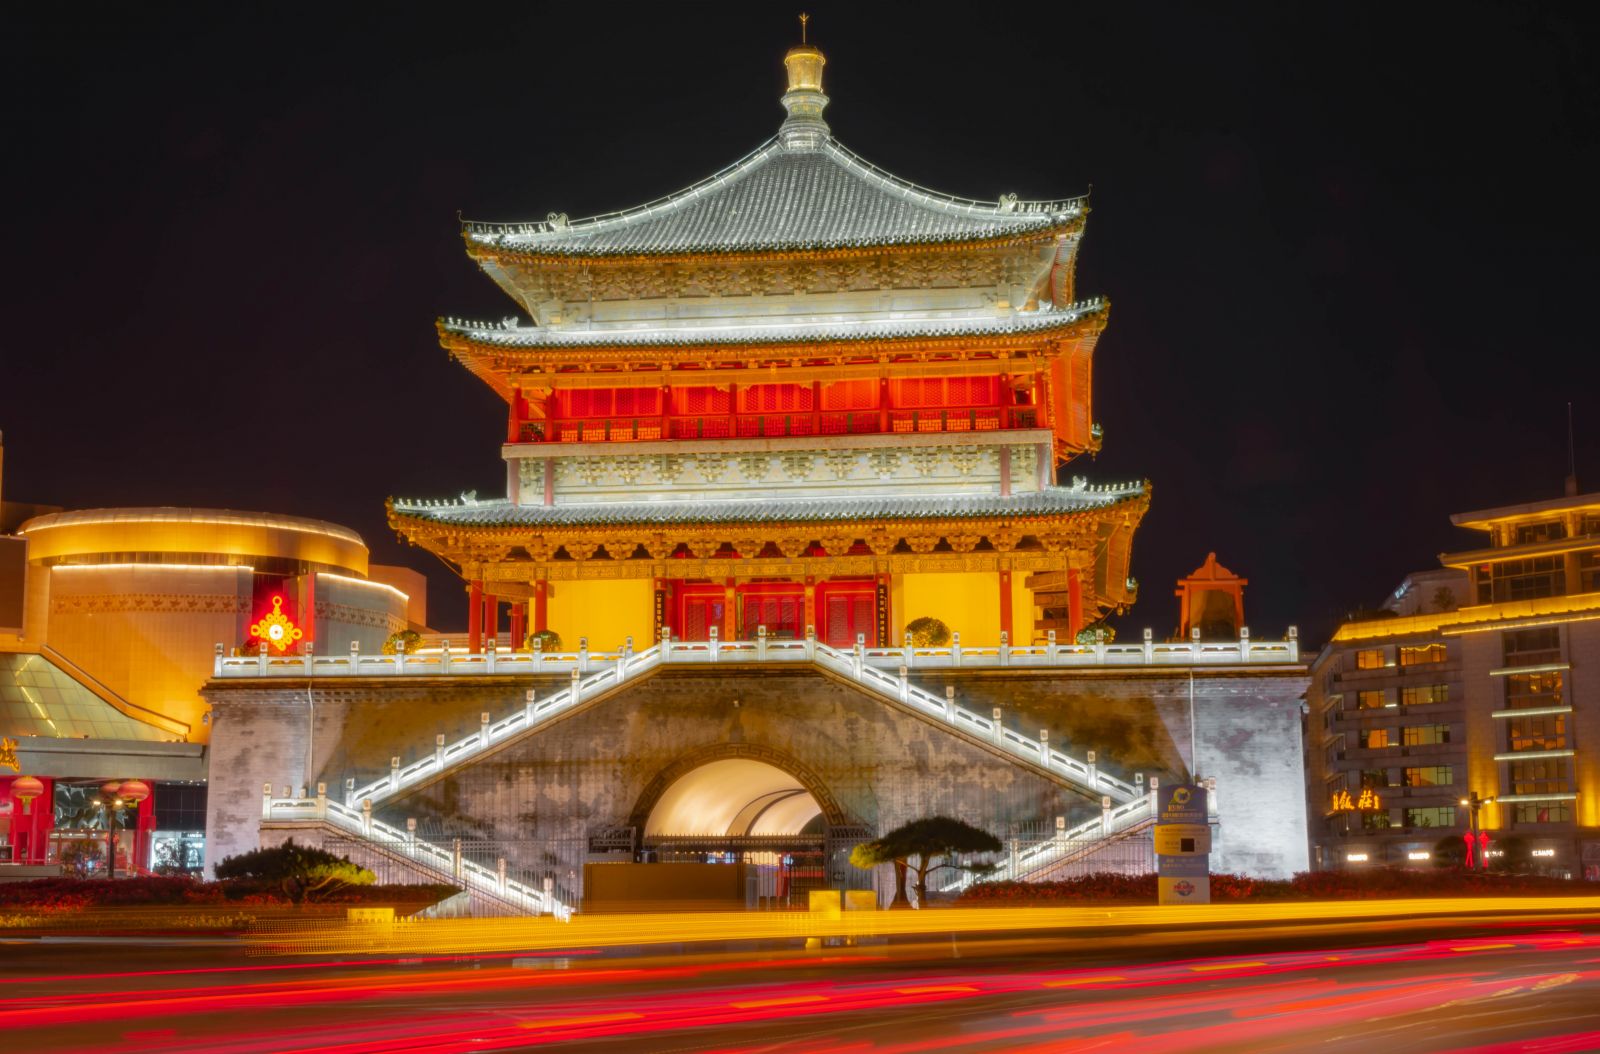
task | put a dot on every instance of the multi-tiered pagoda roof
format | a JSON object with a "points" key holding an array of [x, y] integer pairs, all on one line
{"points": [[783, 200], [799, 368]]}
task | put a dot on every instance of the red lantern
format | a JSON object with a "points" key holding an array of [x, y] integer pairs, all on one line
{"points": [[110, 788], [27, 788], [134, 791]]}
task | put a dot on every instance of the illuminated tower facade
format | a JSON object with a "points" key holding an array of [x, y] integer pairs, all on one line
{"points": [[801, 393]]}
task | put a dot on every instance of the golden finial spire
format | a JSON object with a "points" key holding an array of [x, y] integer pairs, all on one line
{"points": [[805, 128]]}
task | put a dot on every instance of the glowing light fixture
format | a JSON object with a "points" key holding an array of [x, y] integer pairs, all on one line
{"points": [[276, 629]]}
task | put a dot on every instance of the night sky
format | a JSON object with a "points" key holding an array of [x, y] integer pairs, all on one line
{"points": [[1351, 252]]}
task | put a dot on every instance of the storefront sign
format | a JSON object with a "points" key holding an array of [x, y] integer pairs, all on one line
{"points": [[1367, 802]]}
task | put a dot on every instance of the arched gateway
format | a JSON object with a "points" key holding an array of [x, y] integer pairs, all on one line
{"points": [[750, 804]]}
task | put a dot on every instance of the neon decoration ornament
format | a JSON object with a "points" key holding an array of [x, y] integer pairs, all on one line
{"points": [[8, 754], [276, 629]]}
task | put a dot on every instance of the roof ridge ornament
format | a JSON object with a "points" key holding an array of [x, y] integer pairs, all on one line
{"points": [[804, 128]]}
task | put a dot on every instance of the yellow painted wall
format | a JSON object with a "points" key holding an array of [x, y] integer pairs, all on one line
{"points": [[1022, 614], [968, 602], [605, 612]]}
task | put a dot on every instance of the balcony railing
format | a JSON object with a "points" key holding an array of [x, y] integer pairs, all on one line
{"points": [[635, 429], [447, 661]]}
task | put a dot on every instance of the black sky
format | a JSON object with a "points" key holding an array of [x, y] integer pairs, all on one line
{"points": [[1351, 250]]}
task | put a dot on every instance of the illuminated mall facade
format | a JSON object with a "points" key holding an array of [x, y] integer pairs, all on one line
{"points": [[109, 624]]}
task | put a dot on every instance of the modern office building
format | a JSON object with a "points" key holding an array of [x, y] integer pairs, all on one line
{"points": [[1478, 682]]}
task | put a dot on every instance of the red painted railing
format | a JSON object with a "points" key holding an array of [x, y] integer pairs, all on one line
{"points": [[832, 422]]}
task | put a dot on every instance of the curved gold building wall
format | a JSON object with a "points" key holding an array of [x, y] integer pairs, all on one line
{"points": [[138, 599], [93, 535]]}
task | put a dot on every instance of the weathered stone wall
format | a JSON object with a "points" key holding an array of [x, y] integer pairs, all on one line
{"points": [[1245, 733], [876, 765]]}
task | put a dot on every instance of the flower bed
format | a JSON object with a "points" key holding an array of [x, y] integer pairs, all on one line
{"points": [[47, 896], [1377, 884]]}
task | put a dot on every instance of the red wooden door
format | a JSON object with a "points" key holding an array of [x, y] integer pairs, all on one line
{"points": [[781, 611], [699, 612], [845, 613]]}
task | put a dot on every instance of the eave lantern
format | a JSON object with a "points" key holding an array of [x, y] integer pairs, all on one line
{"points": [[26, 788], [134, 791]]}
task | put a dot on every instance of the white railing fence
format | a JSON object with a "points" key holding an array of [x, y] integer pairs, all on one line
{"points": [[447, 864], [1083, 774], [493, 660]]}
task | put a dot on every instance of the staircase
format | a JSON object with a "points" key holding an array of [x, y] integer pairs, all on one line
{"points": [[1035, 863], [1126, 808], [503, 895], [632, 667]]}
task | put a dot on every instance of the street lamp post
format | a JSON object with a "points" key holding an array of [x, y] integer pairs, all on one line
{"points": [[1477, 848], [110, 804]]}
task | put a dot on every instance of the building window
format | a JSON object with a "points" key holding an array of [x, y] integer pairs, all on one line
{"points": [[1542, 812], [1534, 533], [1589, 571], [1540, 576], [1524, 690], [1544, 732], [1335, 751], [1374, 779], [1532, 647], [1429, 776], [1370, 738], [1375, 699], [1376, 821], [1431, 816], [1422, 695], [1421, 654], [1370, 659], [1541, 776], [1425, 735]]}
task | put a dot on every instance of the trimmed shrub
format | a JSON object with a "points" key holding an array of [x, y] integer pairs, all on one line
{"points": [[299, 872], [928, 632], [1377, 884]]}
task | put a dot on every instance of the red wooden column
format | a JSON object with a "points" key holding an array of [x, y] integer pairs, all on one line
{"points": [[730, 611], [816, 408], [491, 617], [474, 617], [519, 613], [541, 605], [514, 418], [1005, 607], [883, 404], [811, 603], [1074, 605], [733, 409]]}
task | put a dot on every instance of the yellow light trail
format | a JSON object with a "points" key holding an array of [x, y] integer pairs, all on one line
{"points": [[323, 936]]}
